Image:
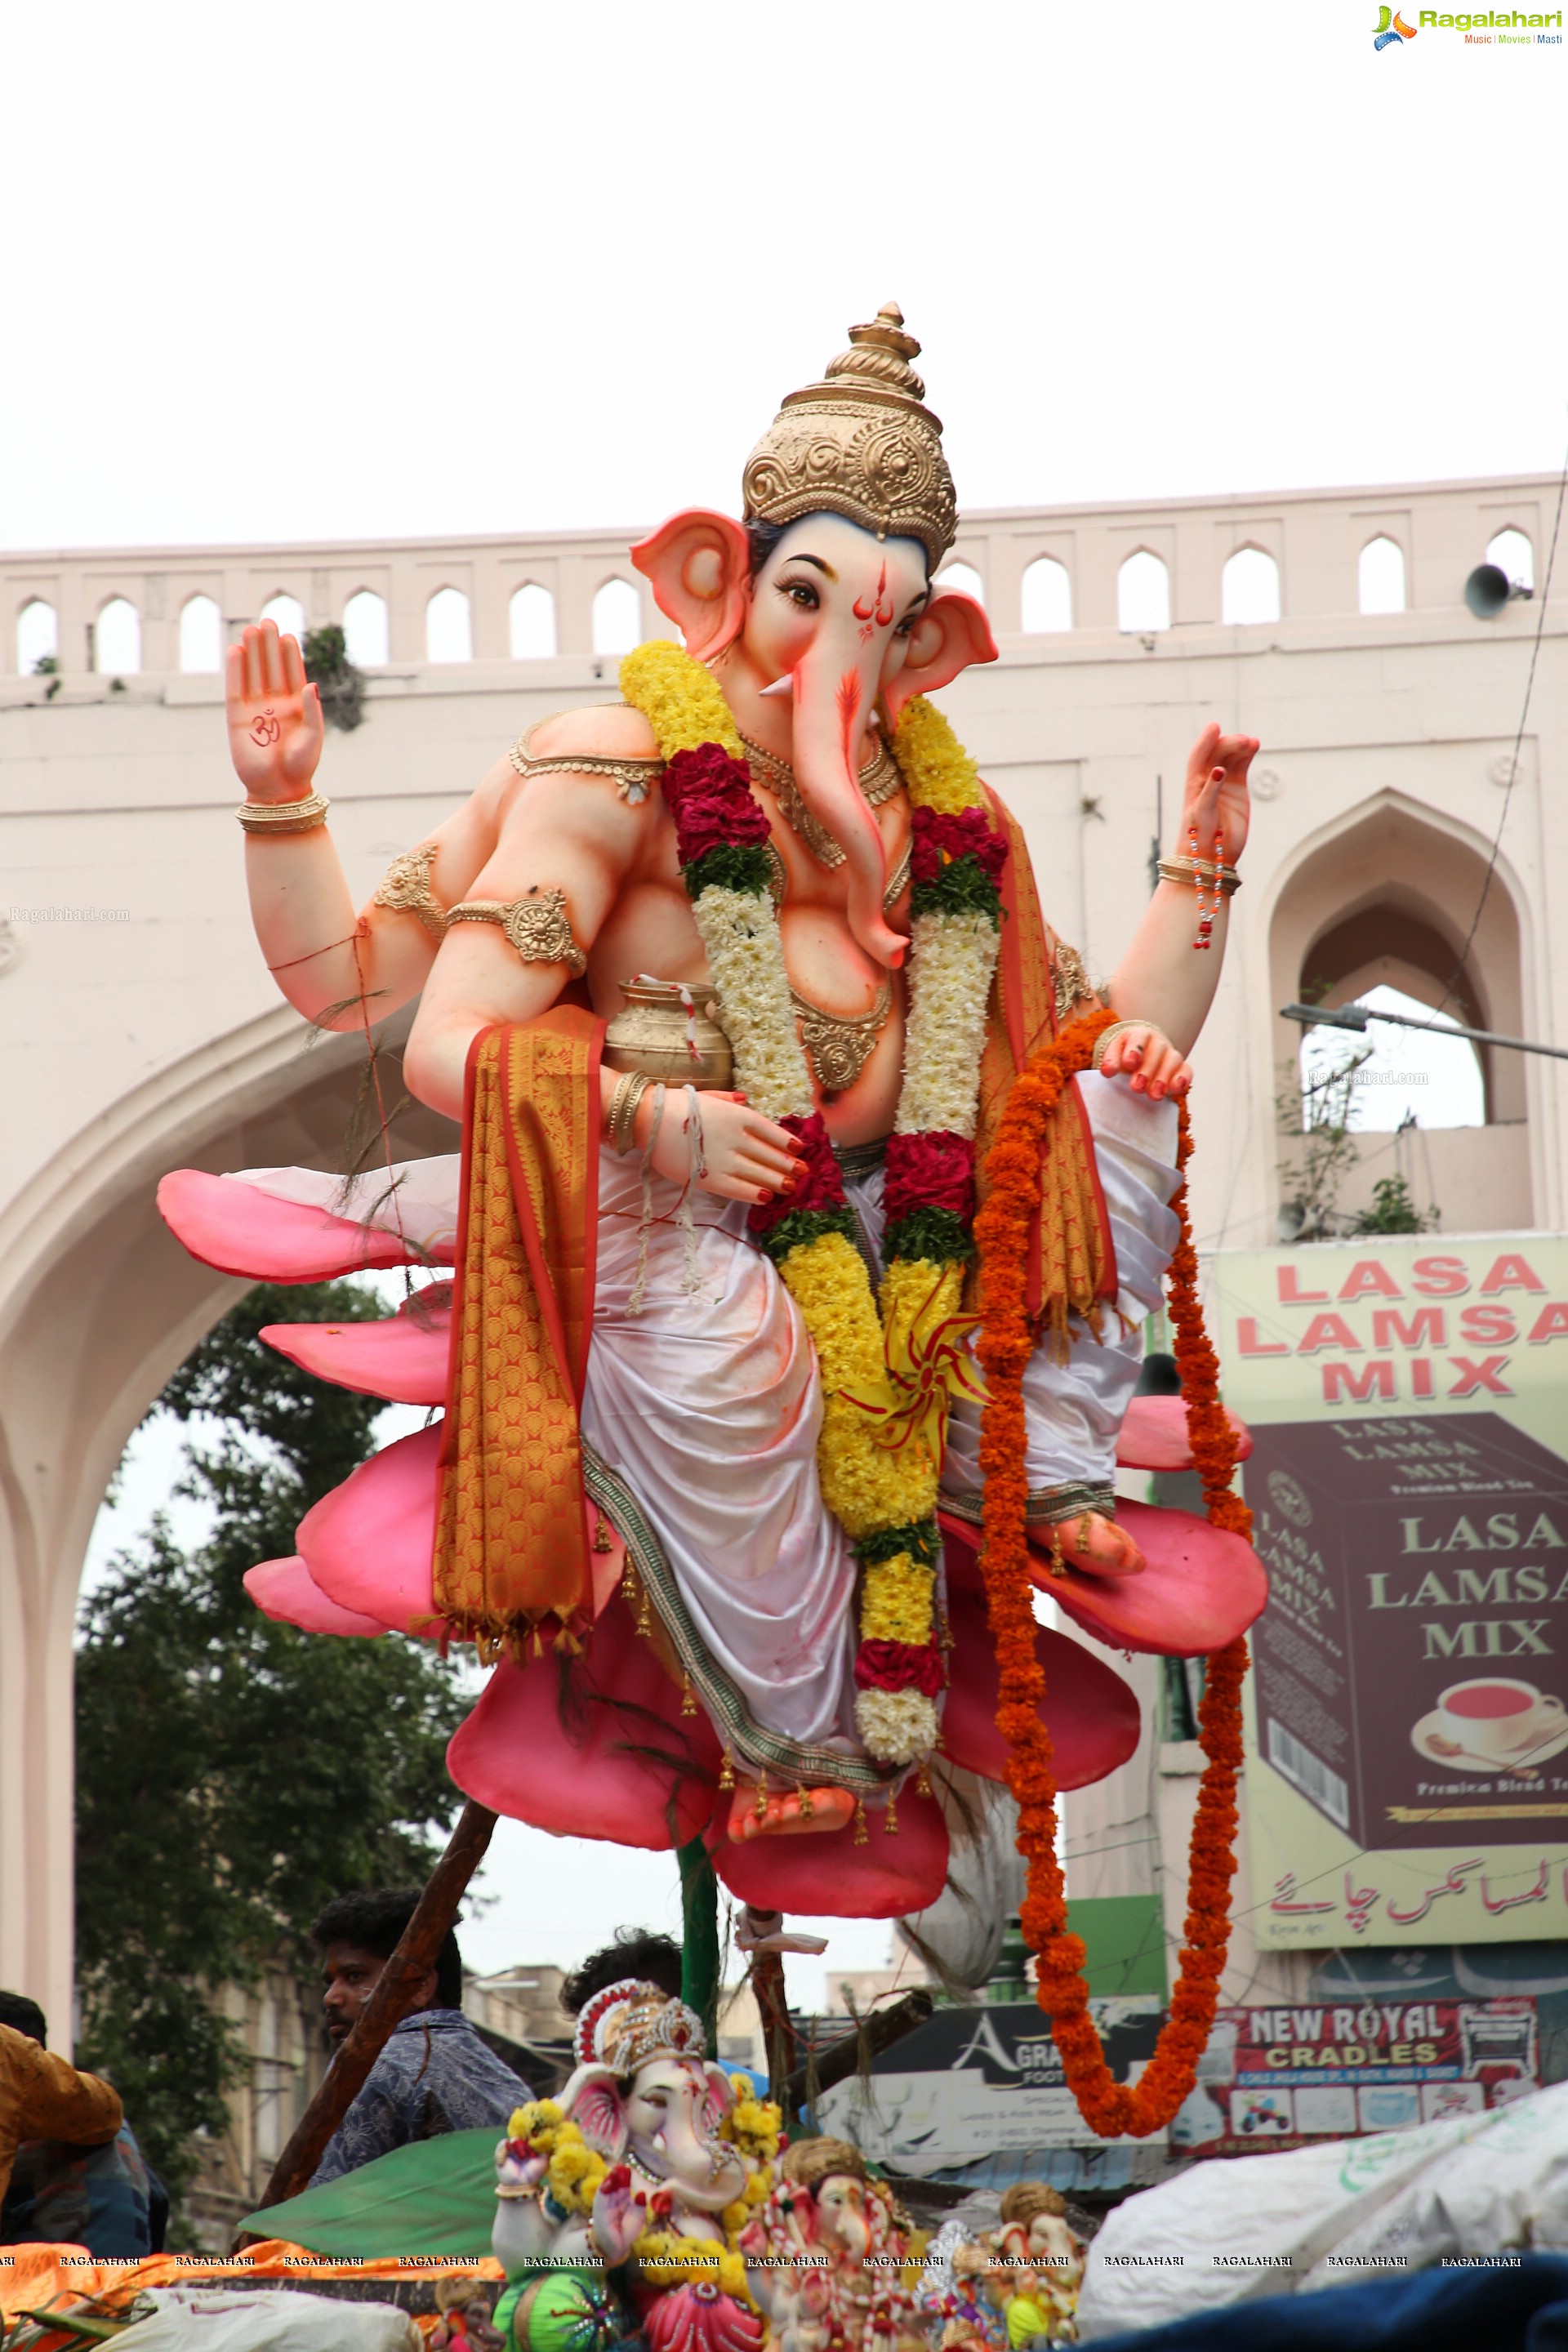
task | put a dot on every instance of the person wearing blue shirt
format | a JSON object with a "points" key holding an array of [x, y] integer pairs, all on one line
{"points": [[435, 2073]]}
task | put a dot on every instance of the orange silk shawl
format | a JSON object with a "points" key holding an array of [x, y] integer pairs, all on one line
{"points": [[510, 1544]]}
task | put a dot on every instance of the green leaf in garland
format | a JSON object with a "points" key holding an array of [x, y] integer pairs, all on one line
{"points": [[804, 1225], [735, 867], [937, 1235], [921, 1539], [962, 888]]}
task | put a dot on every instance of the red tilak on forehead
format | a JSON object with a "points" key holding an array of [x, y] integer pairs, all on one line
{"points": [[866, 606]]}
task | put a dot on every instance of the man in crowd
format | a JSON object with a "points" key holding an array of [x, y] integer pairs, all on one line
{"points": [[435, 2074], [71, 2170], [653, 1960]]}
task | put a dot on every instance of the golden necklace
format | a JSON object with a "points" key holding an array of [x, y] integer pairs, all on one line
{"points": [[879, 780]]}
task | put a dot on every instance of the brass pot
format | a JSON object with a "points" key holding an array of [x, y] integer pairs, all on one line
{"points": [[654, 1034]]}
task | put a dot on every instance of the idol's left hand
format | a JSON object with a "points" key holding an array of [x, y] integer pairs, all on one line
{"points": [[1149, 1061], [1214, 797]]}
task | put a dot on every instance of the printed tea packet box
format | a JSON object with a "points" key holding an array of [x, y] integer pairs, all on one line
{"points": [[1412, 1664]]}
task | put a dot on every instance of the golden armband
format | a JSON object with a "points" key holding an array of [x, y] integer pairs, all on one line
{"points": [[538, 926]]}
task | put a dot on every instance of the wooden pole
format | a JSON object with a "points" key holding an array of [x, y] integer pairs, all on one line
{"points": [[392, 2001], [773, 2008]]}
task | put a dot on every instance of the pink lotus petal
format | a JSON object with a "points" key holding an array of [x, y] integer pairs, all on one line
{"points": [[1091, 1714], [569, 1761], [369, 1544], [1200, 1589], [827, 1874], [239, 1229], [1154, 1435], [403, 1357], [285, 1589]]}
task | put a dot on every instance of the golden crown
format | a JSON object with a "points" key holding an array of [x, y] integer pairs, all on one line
{"points": [[861, 444], [633, 2021]]}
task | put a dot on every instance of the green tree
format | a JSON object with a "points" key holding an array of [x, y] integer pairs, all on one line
{"points": [[232, 1773], [1394, 1210]]}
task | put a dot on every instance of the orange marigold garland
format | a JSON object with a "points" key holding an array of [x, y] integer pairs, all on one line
{"points": [[1001, 1230]]}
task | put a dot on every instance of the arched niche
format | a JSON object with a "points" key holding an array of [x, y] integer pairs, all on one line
{"points": [[1250, 588], [1045, 598], [38, 635], [201, 635], [117, 639], [448, 628], [1144, 594], [366, 629], [1388, 898], [617, 617], [532, 620]]}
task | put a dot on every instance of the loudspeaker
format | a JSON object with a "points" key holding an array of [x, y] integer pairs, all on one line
{"points": [[1488, 589]]}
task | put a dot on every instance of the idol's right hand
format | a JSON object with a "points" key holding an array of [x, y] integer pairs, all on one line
{"points": [[748, 1156], [274, 728]]}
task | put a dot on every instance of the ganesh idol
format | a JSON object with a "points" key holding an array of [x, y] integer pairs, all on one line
{"points": [[726, 986]]}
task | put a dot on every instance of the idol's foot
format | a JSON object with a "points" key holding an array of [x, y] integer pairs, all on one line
{"points": [[793, 1813], [1088, 1541]]}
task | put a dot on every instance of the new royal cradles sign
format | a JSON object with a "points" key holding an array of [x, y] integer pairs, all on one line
{"points": [[1408, 1775]]}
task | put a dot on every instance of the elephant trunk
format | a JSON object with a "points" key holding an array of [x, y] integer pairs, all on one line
{"points": [[834, 692]]}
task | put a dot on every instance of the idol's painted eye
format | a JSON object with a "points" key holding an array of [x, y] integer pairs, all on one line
{"points": [[800, 592]]}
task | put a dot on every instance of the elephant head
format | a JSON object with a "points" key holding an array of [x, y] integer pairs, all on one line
{"points": [[666, 2118], [825, 590], [848, 620]]}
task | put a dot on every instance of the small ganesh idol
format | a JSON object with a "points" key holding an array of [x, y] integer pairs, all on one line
{"points": [[1036, 2267], [827, 2257], [725, 986], [618, 2202]]}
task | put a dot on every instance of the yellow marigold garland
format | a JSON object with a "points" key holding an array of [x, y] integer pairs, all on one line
{"points": [[574, 2170]]}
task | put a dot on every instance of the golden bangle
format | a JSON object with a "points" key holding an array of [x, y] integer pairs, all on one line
{"points": [[1200, 872], [621, 1123], [283, 816]]}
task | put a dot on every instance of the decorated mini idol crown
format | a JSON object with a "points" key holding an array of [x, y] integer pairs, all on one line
{"points": [[861, 444], [631, 2022]]}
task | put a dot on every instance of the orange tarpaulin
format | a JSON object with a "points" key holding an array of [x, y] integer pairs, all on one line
{"points": [[38, 2278]]}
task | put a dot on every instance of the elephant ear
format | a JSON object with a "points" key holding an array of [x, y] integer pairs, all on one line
{"points": [[595, 2102], [720, 2098], [951, 635], [699, 563]]}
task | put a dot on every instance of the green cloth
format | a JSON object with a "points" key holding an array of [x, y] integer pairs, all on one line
{"points": [[432, 2197]]}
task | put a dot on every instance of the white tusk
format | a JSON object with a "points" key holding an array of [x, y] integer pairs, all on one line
{"points": [[784, 685]]}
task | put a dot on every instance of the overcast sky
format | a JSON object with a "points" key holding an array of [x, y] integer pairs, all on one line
{"points": [[336, 269]]}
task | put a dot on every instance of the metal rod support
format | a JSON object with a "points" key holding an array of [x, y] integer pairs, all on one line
{"points": [[1356, 1017]]}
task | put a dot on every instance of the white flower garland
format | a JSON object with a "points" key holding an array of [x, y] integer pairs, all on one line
{"points": [[745, 956], [952, 962]]}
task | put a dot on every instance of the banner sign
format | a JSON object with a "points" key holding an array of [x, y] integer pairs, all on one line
{"points": [[1281, 2076], [973, 2083], [1408, 1772]]}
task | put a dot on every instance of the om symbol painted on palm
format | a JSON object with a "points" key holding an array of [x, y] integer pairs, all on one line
{"points": [[265, 727]]}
